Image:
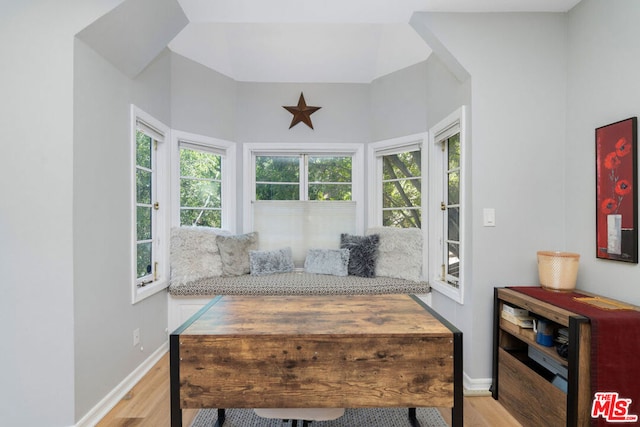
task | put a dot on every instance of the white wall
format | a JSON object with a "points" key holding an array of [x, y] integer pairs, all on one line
{"points": [[36, 217], [104, 316], [202, 100], [603, 87], [399, 102], [344, 116], [517, 66], [413, 99]]}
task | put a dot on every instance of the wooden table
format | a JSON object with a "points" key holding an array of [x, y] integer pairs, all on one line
{"points": [[318, 352]]}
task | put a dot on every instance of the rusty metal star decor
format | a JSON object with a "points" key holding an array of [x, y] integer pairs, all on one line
{"points": [[301, 112]]}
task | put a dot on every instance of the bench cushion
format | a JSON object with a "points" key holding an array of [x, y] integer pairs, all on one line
{"points": [[298, 283]]}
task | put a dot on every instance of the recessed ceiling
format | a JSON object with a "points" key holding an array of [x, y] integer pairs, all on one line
{"points": [[345, 41]]}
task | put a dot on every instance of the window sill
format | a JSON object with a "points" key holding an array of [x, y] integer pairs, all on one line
{"points": [[140, 294], [447, 290]]}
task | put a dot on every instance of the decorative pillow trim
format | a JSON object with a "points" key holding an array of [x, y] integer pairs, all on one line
{"points": [[327, 261], [269, 262]]}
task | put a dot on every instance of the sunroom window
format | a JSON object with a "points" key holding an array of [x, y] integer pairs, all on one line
{"points": [[200, 187], [303, 177], [303, 199], [204, 186], [150, 204], [447, 205]]}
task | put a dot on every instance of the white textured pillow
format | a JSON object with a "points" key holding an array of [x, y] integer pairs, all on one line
{"points": [[194, 254], [399, 253], [234, 252], [327, 261]]}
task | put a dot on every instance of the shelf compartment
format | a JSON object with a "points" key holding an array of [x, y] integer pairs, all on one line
{"points": [[532, 399]]}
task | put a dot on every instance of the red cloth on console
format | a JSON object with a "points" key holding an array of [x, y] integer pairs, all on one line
{"points": [[615, 345]]}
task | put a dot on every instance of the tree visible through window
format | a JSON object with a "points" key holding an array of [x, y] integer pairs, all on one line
{"points": [[447, 205], [303, 177], [402, 189], [451, 148], [200, 188], [145, 205]]}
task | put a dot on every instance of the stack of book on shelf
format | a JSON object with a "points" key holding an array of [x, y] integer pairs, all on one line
{"points": [[519, 319]]}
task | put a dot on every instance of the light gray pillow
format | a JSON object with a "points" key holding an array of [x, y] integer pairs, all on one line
{"points": [[327, 261], [234, 252], [269, 262], [400, 252]]}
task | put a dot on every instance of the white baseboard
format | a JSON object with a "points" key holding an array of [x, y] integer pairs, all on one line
{"points": [[476, 386], [103, 407]]}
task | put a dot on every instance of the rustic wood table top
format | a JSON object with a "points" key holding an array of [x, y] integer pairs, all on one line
{"points": [[361, 315]]}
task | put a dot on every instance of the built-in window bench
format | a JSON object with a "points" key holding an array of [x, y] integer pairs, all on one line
{"points": [[206, 263]]}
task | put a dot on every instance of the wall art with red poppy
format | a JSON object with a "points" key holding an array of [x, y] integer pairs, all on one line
{"points": [[616, 191]]}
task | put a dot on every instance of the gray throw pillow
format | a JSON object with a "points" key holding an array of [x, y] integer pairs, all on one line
{"points": [[234, 252], [269, 262], [363, 253], [327, 261]]}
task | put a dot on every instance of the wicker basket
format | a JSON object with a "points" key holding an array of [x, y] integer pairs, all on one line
{"points": [[558, 271]]}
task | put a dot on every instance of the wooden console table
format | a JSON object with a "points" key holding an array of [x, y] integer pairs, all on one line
{"points": [[316, 351]]}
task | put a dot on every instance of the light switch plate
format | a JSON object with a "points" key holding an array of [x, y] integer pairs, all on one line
{"points": [[489, 217]]}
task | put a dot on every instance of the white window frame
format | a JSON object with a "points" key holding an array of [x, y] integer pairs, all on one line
{"points": [[453, 123], [394, 146], [224, 148], [251, 150], [160, 233]]}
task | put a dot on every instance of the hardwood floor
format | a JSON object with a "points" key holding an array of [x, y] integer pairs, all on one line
{"points": [[148, 405]]}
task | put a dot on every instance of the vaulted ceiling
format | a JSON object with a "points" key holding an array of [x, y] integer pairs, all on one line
{"points": [[348, 41]]}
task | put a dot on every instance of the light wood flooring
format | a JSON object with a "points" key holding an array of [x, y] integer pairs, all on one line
{"points": [[148, 405]]}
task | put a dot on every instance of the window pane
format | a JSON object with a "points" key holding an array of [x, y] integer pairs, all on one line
{"points": [[277, 192], [404, 193], [453, 261], [402, 165], [404, 218], [200, 193], [143, 257], [454, 188], [200, 164], [329, 192], [143, 150], [329, 169], [143, 224], [453, 226], [278, 168], [201, 217], [143, 186], [453, 150]]}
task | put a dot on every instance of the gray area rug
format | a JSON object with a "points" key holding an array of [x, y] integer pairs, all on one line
{"points": [[363, 417]]}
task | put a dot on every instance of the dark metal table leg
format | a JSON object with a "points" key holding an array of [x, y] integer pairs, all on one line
{"points": [[221, 417], [457, 412], [413, 418], [174, 375]]}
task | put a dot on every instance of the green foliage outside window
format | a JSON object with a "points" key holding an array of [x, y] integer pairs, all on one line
{"points": [[144, 195], [402, 190], [279, 177], [200, 188]]}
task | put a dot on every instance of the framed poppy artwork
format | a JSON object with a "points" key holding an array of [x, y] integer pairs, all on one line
{"points": [[616, 191]]}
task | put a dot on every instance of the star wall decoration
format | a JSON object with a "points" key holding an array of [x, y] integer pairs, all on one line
{"points": [[301, 112]]}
